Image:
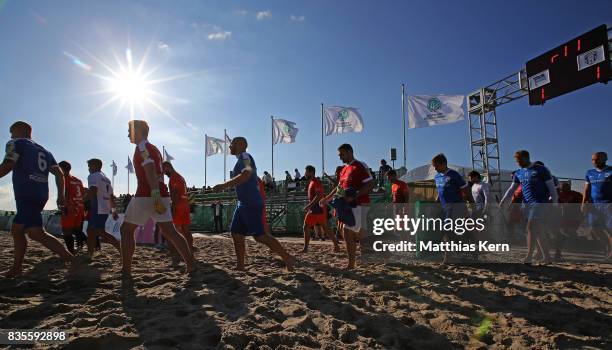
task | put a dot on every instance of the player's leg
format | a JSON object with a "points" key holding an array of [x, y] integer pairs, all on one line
{"points": [[327, 232], [67, 233], [169, 231], [50, 242], [186, 232], [128, 245], [350, 237], [91, 240], [240, 249], [276, 248], [306, 230], [108, 238], [20, 244]]}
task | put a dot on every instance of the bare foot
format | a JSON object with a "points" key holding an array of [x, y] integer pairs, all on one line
{"points": [[349, 267], [13, 273], [337, 249], [289, 262], [239, 268], [305, 250]]}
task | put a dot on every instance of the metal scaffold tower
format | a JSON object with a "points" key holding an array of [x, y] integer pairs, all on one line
{"points": [[484, 141]]}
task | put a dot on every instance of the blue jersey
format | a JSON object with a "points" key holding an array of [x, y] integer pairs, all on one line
{"points": [[31, 171], [533, 183], [247, 192], [601, 184], [449, 186]]}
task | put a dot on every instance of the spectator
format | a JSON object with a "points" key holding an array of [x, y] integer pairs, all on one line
{"points": [[267, 180], [218, 215], [297, 177], [480, 193], [382, 172], [288, 177]]}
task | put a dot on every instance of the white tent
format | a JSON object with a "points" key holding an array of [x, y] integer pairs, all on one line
{"points": [[427, 173]]}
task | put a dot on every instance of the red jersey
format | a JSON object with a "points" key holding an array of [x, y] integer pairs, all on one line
{"points": [[144, 154], [398, 189], [355, 175], [570, 197], [74, 213], [315, 187], [178, 186]]}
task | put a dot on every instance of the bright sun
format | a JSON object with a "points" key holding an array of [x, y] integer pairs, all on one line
{"points": [[130, 86]]}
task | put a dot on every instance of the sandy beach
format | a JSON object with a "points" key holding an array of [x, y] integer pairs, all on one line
{"points": [[418, 306]]}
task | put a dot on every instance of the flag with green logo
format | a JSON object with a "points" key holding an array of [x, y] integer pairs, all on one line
{"points": [[213, 146], [340, 120], [284, 131], [432, 110]]}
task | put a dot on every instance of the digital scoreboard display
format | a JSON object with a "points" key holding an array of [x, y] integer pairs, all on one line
{"points": [[579, 62]]}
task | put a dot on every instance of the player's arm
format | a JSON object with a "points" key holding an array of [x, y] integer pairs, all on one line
{"points": [[315, 200], [365, 188], [486, 192], [586, 195], [239, 179], [6, 167], [10, 159], [59, 182], [508, 193], [151, 176]]}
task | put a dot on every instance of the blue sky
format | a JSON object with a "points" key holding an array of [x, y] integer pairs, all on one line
{"points": [[241, 61]]}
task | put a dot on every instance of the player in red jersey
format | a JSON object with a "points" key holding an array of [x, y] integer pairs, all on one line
{"points": [[316, 216], [151, 200], [73, 212], [180, 203], [356, 177]]}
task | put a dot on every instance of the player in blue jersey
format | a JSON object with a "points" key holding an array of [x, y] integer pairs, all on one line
{"points": [[31, 164], [598, 191], [247, 219], [452, 191], [538, 190]]}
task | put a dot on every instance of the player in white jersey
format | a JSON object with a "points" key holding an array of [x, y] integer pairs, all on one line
{"points": [[100, 195]]}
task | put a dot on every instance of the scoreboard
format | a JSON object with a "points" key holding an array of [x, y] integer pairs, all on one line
{"points": [[578, 63]]}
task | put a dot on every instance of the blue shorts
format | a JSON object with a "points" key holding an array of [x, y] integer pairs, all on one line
{"points": [[98, 221], [247, 221], [536, 211], [29, 211], [600, 215]]}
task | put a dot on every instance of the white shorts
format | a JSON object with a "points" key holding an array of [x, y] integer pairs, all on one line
{"points": [[141, 209], [360, 213]]}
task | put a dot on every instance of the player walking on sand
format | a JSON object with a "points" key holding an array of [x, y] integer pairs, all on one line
{"points": [[316, 216], [355, 176], [100, 197], [598, 191], [151, 200], [31, 164], [73, 214], [180, 203], [247, 219]]}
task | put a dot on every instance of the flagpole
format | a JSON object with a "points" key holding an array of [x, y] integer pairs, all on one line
{"points": [[163, 153], [404, 121], [206, 157], [224, 153], [272, 139], [322, 145]]}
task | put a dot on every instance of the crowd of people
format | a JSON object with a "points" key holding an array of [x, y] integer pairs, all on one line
{"points": [[349, 197]]}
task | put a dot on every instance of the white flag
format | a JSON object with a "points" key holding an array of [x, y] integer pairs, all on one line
{"points": [[432, 110], [340, 120], [114, 167], [213, 146], [284, 131], [167, 156], [129, 166]]}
